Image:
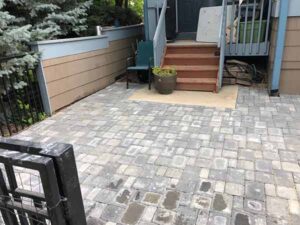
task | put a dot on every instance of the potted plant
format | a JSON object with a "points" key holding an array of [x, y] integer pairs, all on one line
{"points": [[164, 79]]}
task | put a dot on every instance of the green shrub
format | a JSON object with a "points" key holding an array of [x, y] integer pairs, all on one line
{"points": [[164, 72], [104, 13]]}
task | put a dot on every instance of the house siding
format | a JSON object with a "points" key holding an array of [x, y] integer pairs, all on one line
{"points": [[73, 77], [290, 71]]}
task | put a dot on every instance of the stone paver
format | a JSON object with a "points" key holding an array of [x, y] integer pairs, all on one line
{"points": [[148, 163]]}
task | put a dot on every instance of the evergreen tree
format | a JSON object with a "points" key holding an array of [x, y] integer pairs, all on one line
{"points": [[25, 21]]}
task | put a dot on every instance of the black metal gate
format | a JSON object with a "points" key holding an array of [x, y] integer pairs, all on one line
{"points": [[39, 185]]}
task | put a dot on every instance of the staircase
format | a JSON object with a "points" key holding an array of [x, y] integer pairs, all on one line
{"points": [[197, 66]]}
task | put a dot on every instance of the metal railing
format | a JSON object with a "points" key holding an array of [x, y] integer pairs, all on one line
{"points": [[20, 99], [222, 43], [248, 31], [160, 39]]}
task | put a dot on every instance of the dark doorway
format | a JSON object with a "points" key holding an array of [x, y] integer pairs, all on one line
{"points": [[171, 20], [188, 13]]}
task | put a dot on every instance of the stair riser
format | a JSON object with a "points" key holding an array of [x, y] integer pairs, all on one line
{"points": [[191, 50], [196, 87], [197, 74], [201, 61]]}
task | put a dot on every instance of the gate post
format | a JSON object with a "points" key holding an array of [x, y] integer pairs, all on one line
{"points": [[64, 159]]}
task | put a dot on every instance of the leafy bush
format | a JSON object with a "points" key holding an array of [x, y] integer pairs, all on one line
{"points": [[104, 13], [164, 72], [137, 6]]}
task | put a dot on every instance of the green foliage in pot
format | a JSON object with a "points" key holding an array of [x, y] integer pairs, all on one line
{"points": [[164, 79], [164, 72]]}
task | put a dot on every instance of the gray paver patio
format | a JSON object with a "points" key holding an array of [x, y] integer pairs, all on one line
{"points": [[148, 163]]}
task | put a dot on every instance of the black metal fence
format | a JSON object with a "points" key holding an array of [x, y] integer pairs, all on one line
{"points": [[20, 99], [39, 185]]}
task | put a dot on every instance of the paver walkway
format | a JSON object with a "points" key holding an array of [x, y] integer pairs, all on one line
{"points": [[149, 163]]}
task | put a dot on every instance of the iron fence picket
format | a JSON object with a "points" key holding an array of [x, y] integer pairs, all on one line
{"points": [[22, 106], [21, 97], [9, 103], [16, 102], [5, 118], [32, 93]]}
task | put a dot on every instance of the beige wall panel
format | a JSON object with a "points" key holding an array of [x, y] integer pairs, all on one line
{"points": [[287, 65], [81, 79], [290, 73], [291, 54], [70, 58], [290, 82], [61, 71], [293, 23], [291, 66], [114, 45], [71, 78], [292, 38], [69, 97]]}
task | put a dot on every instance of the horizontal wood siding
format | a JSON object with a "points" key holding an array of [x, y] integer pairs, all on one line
{"points": [[73, 77], [290, 72]]}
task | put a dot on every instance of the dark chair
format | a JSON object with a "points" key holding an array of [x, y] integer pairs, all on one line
{"points": [[143, 60]]}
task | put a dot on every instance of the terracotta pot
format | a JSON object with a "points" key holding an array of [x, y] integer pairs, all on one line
{"points": [[165, 85]]}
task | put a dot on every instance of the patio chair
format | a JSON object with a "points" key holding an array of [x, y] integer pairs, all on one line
{"points": [[143, 61]]}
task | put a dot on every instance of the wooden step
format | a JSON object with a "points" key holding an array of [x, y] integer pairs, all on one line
{"points": [[196, 71], [192, 49], [191, 59], [197, 84], [194, 67], [197, 66], [197, 74]]}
